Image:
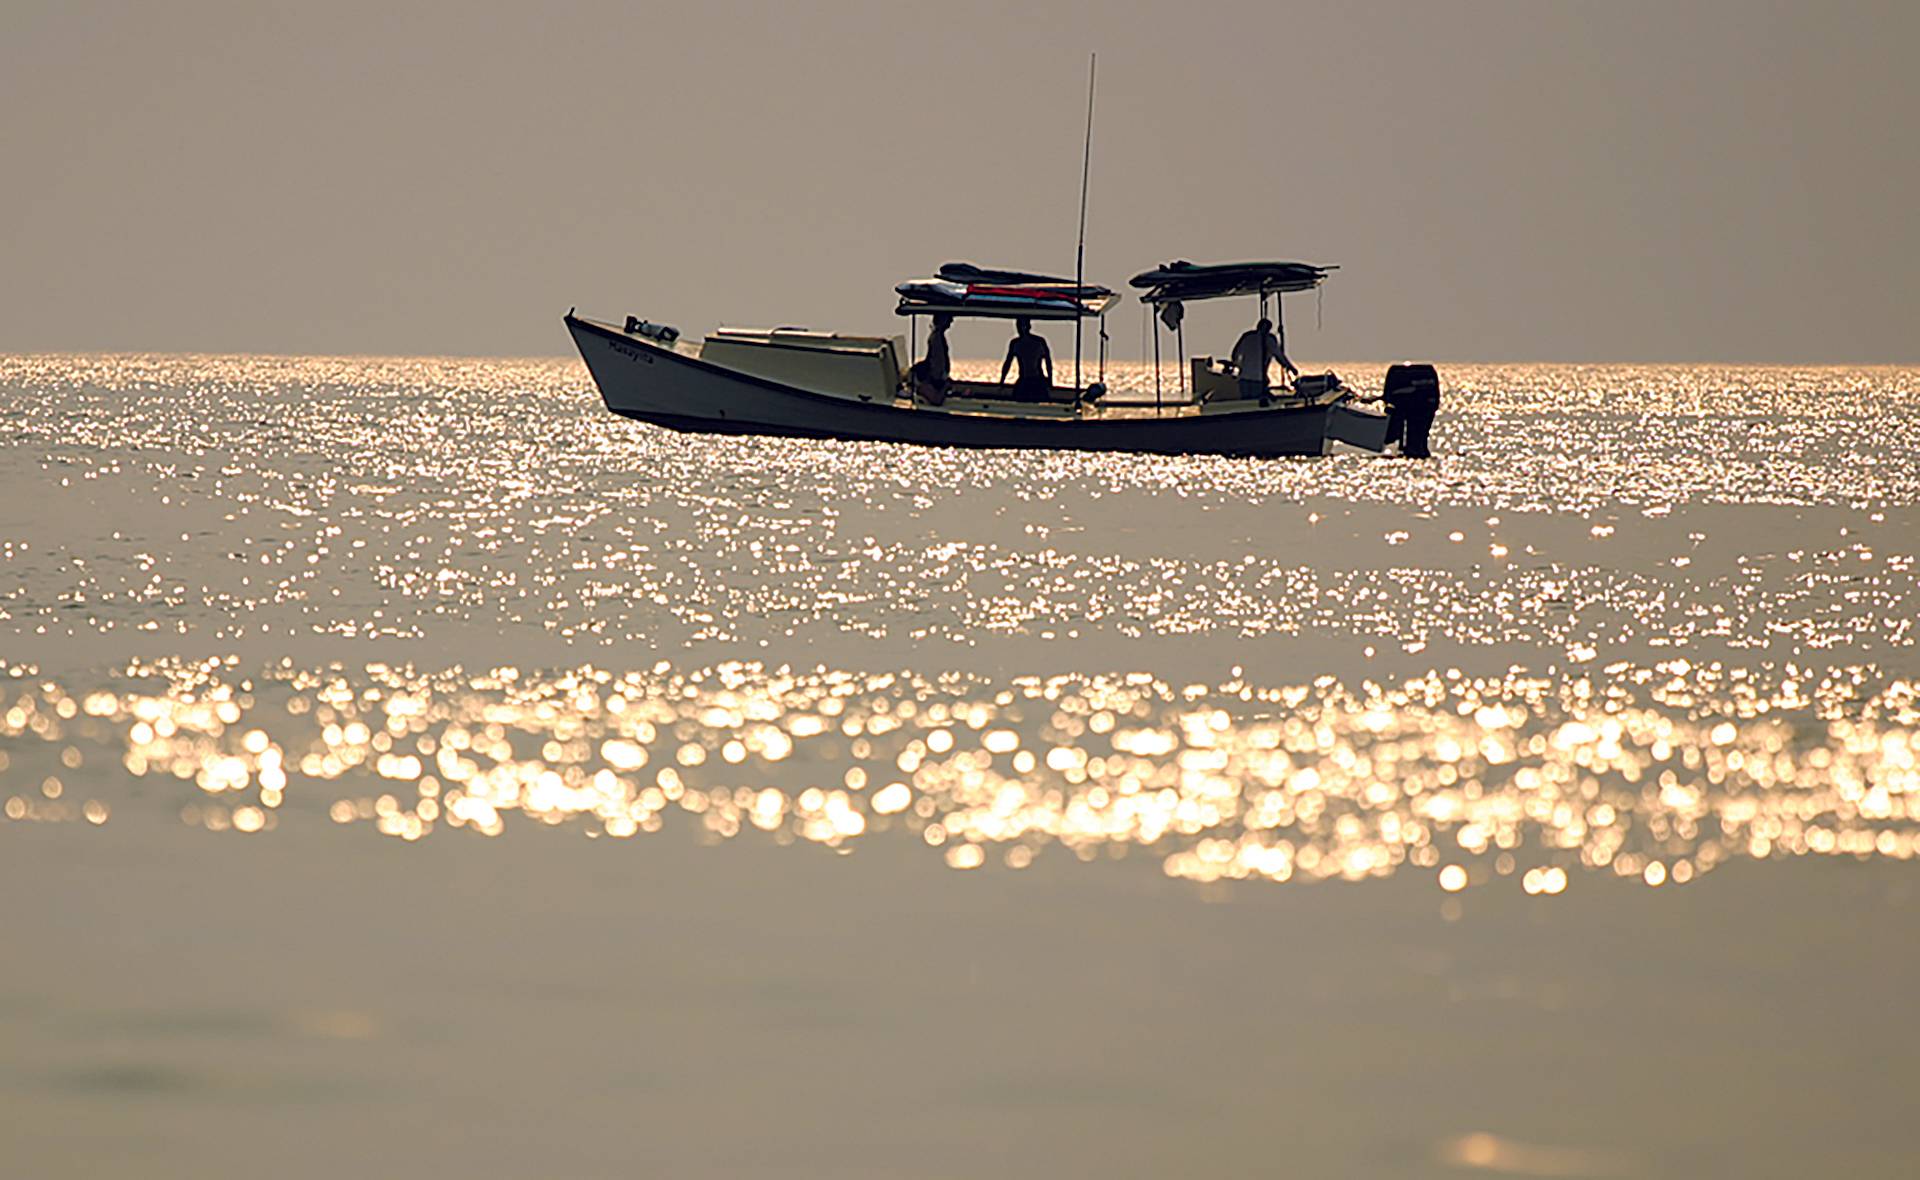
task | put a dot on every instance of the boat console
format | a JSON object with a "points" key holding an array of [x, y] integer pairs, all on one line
{"points": [[865, 368], [1214, 381]]}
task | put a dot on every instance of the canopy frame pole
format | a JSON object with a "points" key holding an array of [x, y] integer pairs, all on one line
{"points": [[1180, 338], [1101, 376], [1280, 332], [1267, 360], [1080, 251], [1156, 365]]}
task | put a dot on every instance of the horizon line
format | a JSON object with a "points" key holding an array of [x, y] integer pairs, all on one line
{"points": [[989, 360]]}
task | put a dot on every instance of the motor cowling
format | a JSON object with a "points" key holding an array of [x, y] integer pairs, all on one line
{"points": [[1412, 394]]}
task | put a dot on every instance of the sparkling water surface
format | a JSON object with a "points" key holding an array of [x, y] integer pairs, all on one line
{"points": [[1420, 641], [1635, 629]]}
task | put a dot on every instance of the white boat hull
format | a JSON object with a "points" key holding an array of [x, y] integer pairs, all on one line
{"points": [[641, 378]]}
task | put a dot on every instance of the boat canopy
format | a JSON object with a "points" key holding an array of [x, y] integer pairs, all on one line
{"points": [[1179, 282]]}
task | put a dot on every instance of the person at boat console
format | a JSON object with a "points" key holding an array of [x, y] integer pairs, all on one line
{"points": [[932, 374], [1035, 380], [1253, 352]]}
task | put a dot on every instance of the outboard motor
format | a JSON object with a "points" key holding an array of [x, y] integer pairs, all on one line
{"points": [[1413, 398], [664, 333]]}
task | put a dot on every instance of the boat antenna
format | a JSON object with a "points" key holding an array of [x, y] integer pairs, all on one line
{"points": [[1080, 251]]}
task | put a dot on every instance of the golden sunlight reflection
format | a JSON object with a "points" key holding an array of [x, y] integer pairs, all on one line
{"points": [[1655, 774]]}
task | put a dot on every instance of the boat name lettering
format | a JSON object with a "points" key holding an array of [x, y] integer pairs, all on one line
{"points": [[629, 351]]}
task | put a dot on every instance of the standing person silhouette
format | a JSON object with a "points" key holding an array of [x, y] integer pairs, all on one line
{"points": [[1035, 381], [1257, 347]]}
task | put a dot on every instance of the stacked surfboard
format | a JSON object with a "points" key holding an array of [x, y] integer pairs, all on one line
{"points": [[963, 289], [1183, 281]]}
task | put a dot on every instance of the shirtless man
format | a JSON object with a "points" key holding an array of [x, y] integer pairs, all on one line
{"points": [[1035, 382], [1251, 354]]}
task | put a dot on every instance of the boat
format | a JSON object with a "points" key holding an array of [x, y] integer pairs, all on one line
{"points": [[796, 382]]}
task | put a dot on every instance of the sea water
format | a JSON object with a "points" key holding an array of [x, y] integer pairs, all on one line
{"points": [[411, 747]]}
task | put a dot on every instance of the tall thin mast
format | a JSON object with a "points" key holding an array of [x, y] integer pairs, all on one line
{"points": [[1080, 251]]}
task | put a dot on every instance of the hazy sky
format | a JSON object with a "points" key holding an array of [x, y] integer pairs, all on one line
{"points": [[1498, 181]]}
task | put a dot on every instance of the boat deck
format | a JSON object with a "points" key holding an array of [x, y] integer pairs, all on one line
{"points": [[974, 397]]}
